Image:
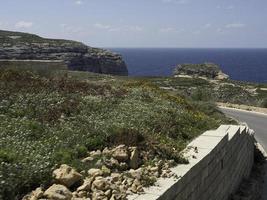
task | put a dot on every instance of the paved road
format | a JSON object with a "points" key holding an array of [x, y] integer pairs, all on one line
{"points": [[257, 122]]}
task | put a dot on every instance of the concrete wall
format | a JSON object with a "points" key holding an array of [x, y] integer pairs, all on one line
{"points": [[218, 161]]}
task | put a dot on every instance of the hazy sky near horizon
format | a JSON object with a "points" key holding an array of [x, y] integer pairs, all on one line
{"points": [[142, 23]]}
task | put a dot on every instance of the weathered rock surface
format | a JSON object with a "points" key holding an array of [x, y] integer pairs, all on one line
{"points": [[66, 175], [34, 195], [77, 56], [208, 70], [58, 192], [120, 153]]}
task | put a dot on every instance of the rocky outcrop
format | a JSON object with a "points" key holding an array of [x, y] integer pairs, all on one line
{"points": [[207, 70], [77, 56]]}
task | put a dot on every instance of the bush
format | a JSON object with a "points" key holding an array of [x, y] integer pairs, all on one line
{"points": [[7, 156]]}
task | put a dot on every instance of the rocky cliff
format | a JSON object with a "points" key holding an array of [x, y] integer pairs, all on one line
{"points": [[77, 56], [207, 70]]}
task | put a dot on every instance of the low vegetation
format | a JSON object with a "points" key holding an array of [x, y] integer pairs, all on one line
{"points": [[227, 91], [45, 122], [11, 37]]}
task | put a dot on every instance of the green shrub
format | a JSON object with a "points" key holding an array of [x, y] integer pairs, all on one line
{"points": [[81, 151], [7, 156], [95, 142]]}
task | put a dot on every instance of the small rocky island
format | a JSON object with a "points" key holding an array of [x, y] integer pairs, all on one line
{"points": [[76, 55], [206, 70]]}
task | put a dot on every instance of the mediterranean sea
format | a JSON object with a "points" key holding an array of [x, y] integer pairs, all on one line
{"points": [[241, 64]]}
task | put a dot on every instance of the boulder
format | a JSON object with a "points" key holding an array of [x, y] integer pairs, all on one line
{"points": [[100, 184], [136, 173], [134, 158], [58, 192], [115, 177], [95, 172], [66, 175], [86, 186], [120, 153]]}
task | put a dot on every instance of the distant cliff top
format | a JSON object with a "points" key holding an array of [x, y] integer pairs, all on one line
{"points": [[14, 38], [207, 70], [77, 56]]}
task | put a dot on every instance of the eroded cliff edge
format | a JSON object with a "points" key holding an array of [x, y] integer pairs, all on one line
{"points": [[77, 56]]}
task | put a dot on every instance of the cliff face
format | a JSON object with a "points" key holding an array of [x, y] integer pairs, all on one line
{"points": [[77, 56], [208, 70]]}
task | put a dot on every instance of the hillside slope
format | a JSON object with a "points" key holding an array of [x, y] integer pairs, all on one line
{"points": [[45, 122]]}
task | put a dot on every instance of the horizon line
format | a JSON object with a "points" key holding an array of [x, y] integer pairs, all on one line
{"points": [[105, 47]]}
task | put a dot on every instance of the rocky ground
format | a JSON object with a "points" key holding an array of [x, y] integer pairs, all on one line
{"points": [[119, 172]]}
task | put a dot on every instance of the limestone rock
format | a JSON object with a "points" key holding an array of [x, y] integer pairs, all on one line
{"points": [[86, 186], [95, 172], [88, 159], [120, 153], [99, 195], [112, 163], [66, 175], [100, 184], [136, 173], [58, 192], [115, 177], [34, 195], [95, 154], [134, 158]]}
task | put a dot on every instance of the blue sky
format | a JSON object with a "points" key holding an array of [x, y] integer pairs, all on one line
{"points": [[142, 23]]}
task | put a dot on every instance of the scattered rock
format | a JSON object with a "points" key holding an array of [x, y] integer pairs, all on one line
{"points": [[58, 192], [86, 186], [136, 173], [88, 159], [112, 163], [115, 177], [34, 195], [66, 175], [106, 151], [100, 184], [99, 195], [106, 183], [95, 172], [134, 158], [95, 154], [120, 153]]}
